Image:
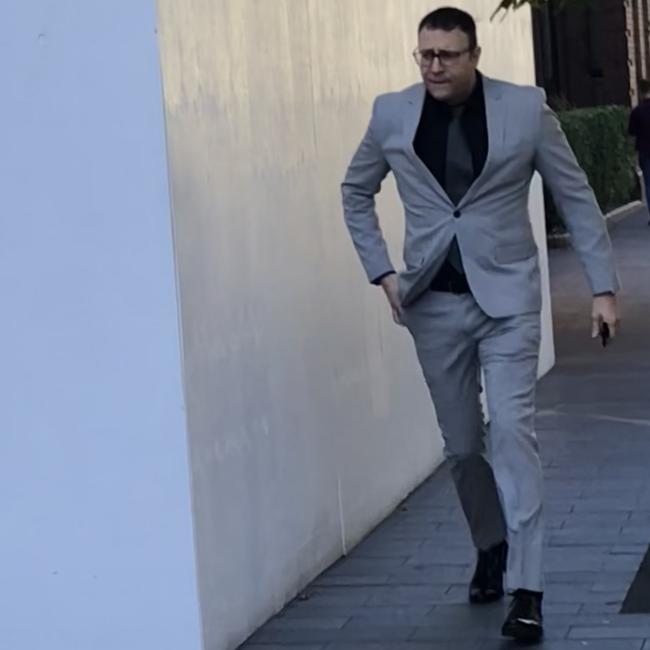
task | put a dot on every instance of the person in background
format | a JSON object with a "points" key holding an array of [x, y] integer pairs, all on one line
{"points": [[639, 129], [463, 148]]}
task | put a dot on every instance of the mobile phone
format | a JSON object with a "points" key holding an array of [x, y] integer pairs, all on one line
{"points": [[604, 334]]}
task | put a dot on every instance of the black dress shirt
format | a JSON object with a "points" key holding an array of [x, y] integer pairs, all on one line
{"points": [[430, 141]]}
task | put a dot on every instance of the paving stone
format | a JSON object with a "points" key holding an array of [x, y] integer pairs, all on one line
{"points": [[364, 611], [623, 562], [611, 632], [629, 549], [351, 581], [409, 616], [281, 646], [409, 595], [551, 607], [414, 574], [313, 635], [409, 645], [600, 608], [443, 556], [596, 620], [314, 623], [590, 577], [366, 566], [559, 592], [337, 596], [566, 644], [453, 635], [597, 504], [585, 537], [386, 549]]}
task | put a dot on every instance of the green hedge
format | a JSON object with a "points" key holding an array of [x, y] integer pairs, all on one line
{"points": [[599, 139]]}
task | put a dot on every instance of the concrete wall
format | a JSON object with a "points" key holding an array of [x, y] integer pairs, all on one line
{"points": [[96, 544], [308, 418]]}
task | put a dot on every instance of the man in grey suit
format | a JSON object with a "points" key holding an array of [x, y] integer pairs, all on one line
{"points": [[463, 149]]}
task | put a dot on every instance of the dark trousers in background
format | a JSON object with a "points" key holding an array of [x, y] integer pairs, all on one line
{"points": [[644, 164]]}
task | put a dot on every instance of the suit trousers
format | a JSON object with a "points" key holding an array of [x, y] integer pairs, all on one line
{"points": [[495, 466]]}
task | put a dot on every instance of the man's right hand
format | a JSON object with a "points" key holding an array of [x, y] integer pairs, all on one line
{"points": [[389, 285]]}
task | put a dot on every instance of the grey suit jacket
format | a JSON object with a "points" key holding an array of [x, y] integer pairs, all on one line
{"points": [[493, 227]]}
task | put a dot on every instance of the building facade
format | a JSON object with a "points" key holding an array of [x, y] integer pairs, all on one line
{"points": [[593, 53]]}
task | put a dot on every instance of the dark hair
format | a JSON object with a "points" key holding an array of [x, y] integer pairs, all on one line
{"points": [[448, 19], [644, 86]]}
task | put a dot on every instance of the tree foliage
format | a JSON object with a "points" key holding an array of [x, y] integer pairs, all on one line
{"points": [[505, 5]]}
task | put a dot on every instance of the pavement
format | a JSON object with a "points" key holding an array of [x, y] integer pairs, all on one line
{"points": [[405, 586]]}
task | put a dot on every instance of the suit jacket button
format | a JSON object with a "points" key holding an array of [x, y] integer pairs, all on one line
{"points": [[457, 213]]}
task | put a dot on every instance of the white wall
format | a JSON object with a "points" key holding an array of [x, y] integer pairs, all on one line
{"points": [[96, 544], [308, 417]]}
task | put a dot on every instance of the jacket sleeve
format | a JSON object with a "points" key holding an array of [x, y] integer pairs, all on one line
{"points": [[362, 182], [574, 198]]}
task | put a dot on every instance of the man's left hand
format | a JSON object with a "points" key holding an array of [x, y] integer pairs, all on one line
{"points": [[604, 310]]}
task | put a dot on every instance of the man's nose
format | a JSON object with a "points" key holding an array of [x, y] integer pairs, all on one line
{"points": [[436, 66]]}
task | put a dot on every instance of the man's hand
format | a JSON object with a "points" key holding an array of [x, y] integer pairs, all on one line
{"points": [[604, 310], [389, 285]]}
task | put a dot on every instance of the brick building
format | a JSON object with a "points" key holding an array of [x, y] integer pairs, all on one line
{"points": [[593, 53]]}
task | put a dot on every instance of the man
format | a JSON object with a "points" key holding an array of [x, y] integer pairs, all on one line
{"points": [[639, 128], [463, 148]]}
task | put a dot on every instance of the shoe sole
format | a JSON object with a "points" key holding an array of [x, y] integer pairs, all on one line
{"points": [[528, 632]]}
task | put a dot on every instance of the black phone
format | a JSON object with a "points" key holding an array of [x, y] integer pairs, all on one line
{"points": [[604, 334]]}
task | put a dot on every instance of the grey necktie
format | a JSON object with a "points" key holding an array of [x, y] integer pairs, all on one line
{"points": [[459, 175]]}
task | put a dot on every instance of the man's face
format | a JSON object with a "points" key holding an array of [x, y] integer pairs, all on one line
{"points": [[450, 78]]}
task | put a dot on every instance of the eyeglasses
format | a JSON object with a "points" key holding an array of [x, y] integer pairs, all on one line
{"points": [[424, 58]]}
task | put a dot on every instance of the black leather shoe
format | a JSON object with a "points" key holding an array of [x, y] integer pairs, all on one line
{"points": [[487, 583], [524, 620]]}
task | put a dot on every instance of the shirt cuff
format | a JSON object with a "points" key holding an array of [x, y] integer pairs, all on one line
{"points": [[377, 281]]}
